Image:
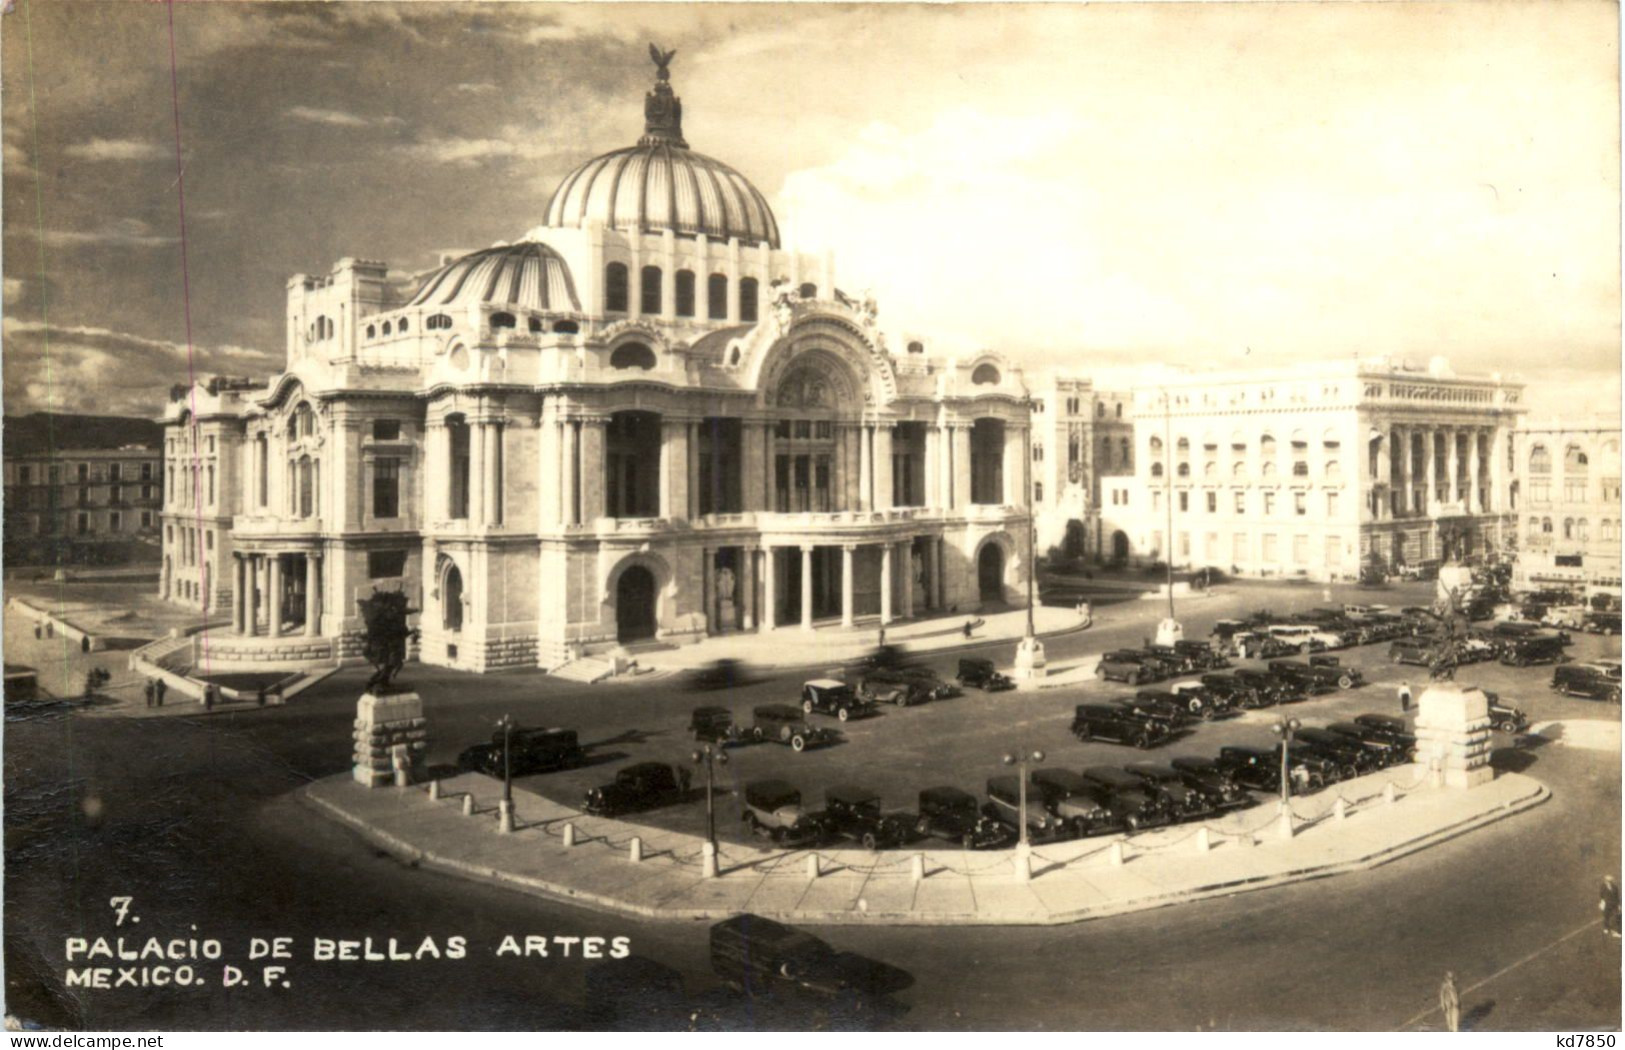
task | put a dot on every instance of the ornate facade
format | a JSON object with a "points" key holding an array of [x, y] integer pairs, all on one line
{"points": [[1568, 505], [1080, 436], [643, 420], [1318, 470]]}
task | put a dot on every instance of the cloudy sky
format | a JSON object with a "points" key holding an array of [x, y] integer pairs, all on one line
{"points": [[1089, 187]]}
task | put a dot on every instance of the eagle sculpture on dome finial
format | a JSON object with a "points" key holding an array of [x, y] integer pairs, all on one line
{"points": [[662, 61]]}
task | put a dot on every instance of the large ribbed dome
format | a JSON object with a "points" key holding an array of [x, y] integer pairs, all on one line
{"points": [[529, 275], [661, 184]]}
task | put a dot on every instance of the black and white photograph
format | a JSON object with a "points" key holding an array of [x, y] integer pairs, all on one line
{"points": [[811, 517]]}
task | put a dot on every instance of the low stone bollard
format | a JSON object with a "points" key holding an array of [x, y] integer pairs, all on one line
{"points": [[569, 836], [708, 856], [1116, 854], [1340, 809], [918, 868], [505, 817], [1389, 794], [1203, 841], [434, 791], [812, 867], [1286, 828], [468, 804], [1023, 861], [635, 850]]}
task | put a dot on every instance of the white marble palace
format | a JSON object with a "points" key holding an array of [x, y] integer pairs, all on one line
{"points": [[643, 420]]}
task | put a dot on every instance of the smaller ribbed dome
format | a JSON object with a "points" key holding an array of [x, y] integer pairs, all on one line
{"points": [[529, 275]]}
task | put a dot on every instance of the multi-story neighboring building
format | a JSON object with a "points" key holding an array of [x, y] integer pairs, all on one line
{"points": [[1080, 435], [644, 419], [64, 492], [1316, 470], [1567, 501]]}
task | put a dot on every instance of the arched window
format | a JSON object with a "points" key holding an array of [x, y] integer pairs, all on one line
{"points": [[1568, 528], [1546, 526], [1156, 470], [304, 487], [1575, 460], [1300, 468], [503, 319], [985, 375], [1184, 470], [1182, 448], [1582, 530], [457, 443], [1155, 446], [809, 290], [566, 327], [1100, 410], [685, 293], [1210, 469], [1239, 470], [1119, 410], [403, 326], [1534, 526], [437, 322], [616, 298], [716, 297], [1540, 460], [649, 290], [1334, 469], [749, 299], [371, 332], [632, 355], [916, 347], [1266, 445], [1268, 469], [386, 328], [1122, 452]]}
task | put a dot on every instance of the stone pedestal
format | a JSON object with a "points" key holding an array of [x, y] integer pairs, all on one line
{"points": [[1030, 660], [1453, 733], [382, 723], [1169, 631]]}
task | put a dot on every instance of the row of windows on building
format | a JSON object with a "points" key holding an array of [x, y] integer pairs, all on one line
{"points": [[1573, 529], [1575, 458], [189, 550], [1269, 548], [85, 524], [618, 293], [84, 473], [1268, 502], [500, 319], [1575, 490]]}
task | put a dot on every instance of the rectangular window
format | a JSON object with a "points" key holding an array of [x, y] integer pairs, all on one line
{"points": [[782, 429], [1241, 502], [83, 523], [383, 565], [1300, 503], [146, 491], [823, 429], [1184, 502], [386, 488], [146, 519], [1238, 547], [1334, 551], [685, 293], [386, 430], [115, 471], [1212, 502], [803, 428], [114, 520], [1331, 504], [1300, 550], [1156, 500], [1574, 491], [1269, 503], [25, 475], [113, 493], [146, 472], [84, 472], [84, 497], [716, 297], [1270, 555]]}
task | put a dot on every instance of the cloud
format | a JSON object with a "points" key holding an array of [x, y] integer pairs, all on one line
{"points": [[91, 369], [335, 117], [511, 143], [116, 233], [482, 88], [119, 150]]}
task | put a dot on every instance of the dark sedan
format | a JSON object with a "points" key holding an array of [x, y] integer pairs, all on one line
{"points": [[951, 814], [1137, 803], [646, 785], [1184, 798]]}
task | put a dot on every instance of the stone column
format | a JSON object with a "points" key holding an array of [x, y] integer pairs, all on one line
{"points": [[255, 590], [1430, 466], [493, 473], [883, 467], [885, 583], [754, 495], [770, 455], [547, 464], [770, 597], [1013, 472], [865, 469], [239, 592], [961, 466], [674, 456], [1452, 461], [708, 589], [313, 594], [570, 473], [846, 584], [806, 589], [1385, 473], [691, 468], [1496, 499], [1474, 504], [476, 474], [590, 469], [747, 588], [1402, 448], [905, 552], [274, 585], [938, 581]]}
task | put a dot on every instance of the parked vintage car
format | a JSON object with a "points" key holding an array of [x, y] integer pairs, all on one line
{"points": [[1394, 728], [1004, 805], [1271, 688], [1535, 649], [1210, 776], [1332, 669], [643, 785], [1118, 724], [978, 672], [1203, 656], [1201, 701], [1081, 807], [1415, 651], [853, 812], [788, 725], [530, 751], [1352, 758], [1129, 665], [1306, 638], [1174, 660], [1597, 681], [1137, 803], [1259, 645], [1235, 692], [773, 810], [898, 688], [1507, 719], [1224, 631], [1260, 770], [759, 956], [951, 814], [1303, 676], [1186, 797], [1321, 769], [826, 696], [713, 725], [1602, 623], [1388, 748], [1165, 704], [718, 674]]}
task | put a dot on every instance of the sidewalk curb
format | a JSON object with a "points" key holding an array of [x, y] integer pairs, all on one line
{"points": [[543, 888]]}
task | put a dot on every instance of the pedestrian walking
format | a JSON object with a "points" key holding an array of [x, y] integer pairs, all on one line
{"points": [[1609, 906], [1404, 697], [151, 692], [160, 689], [1450, 1002], [967, 628], [882, 636]]}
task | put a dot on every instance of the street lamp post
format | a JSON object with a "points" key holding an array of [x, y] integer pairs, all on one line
{"points": [[1019, 759], [1284, 728], [710, 757], [1030, 660], [1169, 630], [505, 810]]}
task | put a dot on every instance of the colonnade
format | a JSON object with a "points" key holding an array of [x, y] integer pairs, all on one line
{"points": [[1462, 479], [258, 583]]}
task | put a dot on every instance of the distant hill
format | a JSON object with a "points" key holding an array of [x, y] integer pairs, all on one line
{"points": [[41, 432]]}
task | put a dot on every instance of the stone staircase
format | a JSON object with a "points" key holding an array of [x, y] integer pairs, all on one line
{"points": [[588, 669]]}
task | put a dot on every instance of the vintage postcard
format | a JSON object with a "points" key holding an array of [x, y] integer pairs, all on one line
{"points": [[811, 517]]}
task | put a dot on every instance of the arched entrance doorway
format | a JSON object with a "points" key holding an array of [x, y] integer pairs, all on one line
{"points": [[635, 605], [451, 599], [1119, 546], [990, 573]]}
